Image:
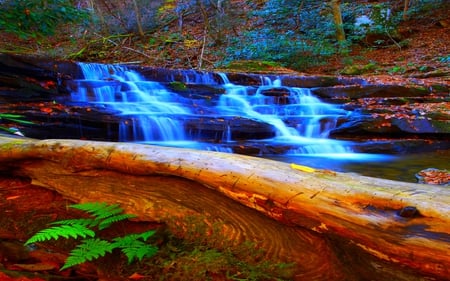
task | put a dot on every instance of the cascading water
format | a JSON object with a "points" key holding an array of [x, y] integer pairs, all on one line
{"points": [[152, 114], [277, 105], [149, 112]]}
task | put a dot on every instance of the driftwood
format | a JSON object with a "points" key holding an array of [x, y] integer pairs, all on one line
{"points": [[335, 226]]}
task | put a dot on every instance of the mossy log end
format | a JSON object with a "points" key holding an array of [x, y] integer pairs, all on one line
{"points": [[319, 219]]}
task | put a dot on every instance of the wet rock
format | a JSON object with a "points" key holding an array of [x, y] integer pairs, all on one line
{"points": [[374, 90], [397, 112], [218, 129]]}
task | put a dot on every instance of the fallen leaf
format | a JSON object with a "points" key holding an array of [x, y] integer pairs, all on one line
{"points": [[136, 276], [302, 168], [37, 266]]}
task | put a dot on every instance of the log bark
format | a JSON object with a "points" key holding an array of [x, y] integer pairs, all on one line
{"points": [[335, 226]]}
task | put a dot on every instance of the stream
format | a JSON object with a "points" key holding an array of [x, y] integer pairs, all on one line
{"points": [[270, 120]]}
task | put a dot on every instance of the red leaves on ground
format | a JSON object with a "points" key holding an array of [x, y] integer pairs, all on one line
{"points": [[5, 277], [434, 176]]}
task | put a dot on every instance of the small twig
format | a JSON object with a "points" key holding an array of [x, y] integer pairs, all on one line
{"points": [[393, 40], [132, 62], [137, 51]]}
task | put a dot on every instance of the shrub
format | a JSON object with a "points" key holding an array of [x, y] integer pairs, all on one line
{"points": [[35, 18]]}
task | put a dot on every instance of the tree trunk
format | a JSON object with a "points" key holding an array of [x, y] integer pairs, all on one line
{"points": [[334, 226], [337, 16], [138, 19], [405, 10]]}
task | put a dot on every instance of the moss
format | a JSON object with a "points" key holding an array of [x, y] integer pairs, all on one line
{"points": [[256, 66], [177, 86], [359, 69]]}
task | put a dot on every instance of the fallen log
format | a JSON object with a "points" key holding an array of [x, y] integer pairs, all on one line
{"points": [[335, 226]]}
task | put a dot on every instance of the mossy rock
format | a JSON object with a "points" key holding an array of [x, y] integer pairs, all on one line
{"points": [[257, 67], [359, 69], [177, 86]]}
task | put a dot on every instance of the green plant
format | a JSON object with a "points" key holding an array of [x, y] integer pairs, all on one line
{"points": [[15, 118], [34, 18], [397, 70], [103, 215]]}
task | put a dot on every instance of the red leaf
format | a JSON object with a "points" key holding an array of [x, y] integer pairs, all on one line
{"points": [[136, 276]]}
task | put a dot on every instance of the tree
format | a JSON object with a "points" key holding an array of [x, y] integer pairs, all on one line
{"points": [[138, 19], [337, 16], [405, 10]]}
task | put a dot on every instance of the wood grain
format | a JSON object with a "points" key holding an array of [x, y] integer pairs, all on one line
{"points": [[313, 213]]}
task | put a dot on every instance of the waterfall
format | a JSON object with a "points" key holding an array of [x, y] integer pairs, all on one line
{"points": [[276, 105], [149, 112]]}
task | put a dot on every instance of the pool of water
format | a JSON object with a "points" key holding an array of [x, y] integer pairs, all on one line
{"points": [[394, 167]]}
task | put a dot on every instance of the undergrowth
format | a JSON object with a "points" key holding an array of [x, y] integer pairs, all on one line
{"points": [[134, 246], [184, 251]]}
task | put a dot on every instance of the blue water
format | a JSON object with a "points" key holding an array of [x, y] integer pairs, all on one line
{"points": [[152, 114]]}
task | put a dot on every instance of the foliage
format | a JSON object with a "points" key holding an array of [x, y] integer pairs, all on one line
{"points": [[35, 18], [271, 42], [15, 118], [183, 33], [103, 215]]}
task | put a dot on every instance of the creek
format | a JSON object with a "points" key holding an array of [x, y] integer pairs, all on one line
{"points": [[269, 120]]}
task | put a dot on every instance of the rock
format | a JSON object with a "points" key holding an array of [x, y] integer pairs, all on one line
{"points": [[33, 87], [374, 90]]}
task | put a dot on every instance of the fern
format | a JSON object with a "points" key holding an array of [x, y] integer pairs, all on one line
{"points": [[88, 250], [139, 251], [99, 210], [116, 218], [83, 222], [121, 242], [132, 245], [65, 231]]}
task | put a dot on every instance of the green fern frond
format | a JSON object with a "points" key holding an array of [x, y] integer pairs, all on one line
{"points": [[129, 239], [134, 248], [65, 231], [145, 235], [100, 210], [125, 241], [133, 245], [83, 222], [88, 250], [139, 250], [116, 218]]}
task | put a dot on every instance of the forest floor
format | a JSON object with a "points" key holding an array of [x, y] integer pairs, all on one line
{"points": [[424, 51]]}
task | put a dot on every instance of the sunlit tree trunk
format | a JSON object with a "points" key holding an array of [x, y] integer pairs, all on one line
{"points": [[340, 34], [205, 33], [138, 19], [405, 10]]}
